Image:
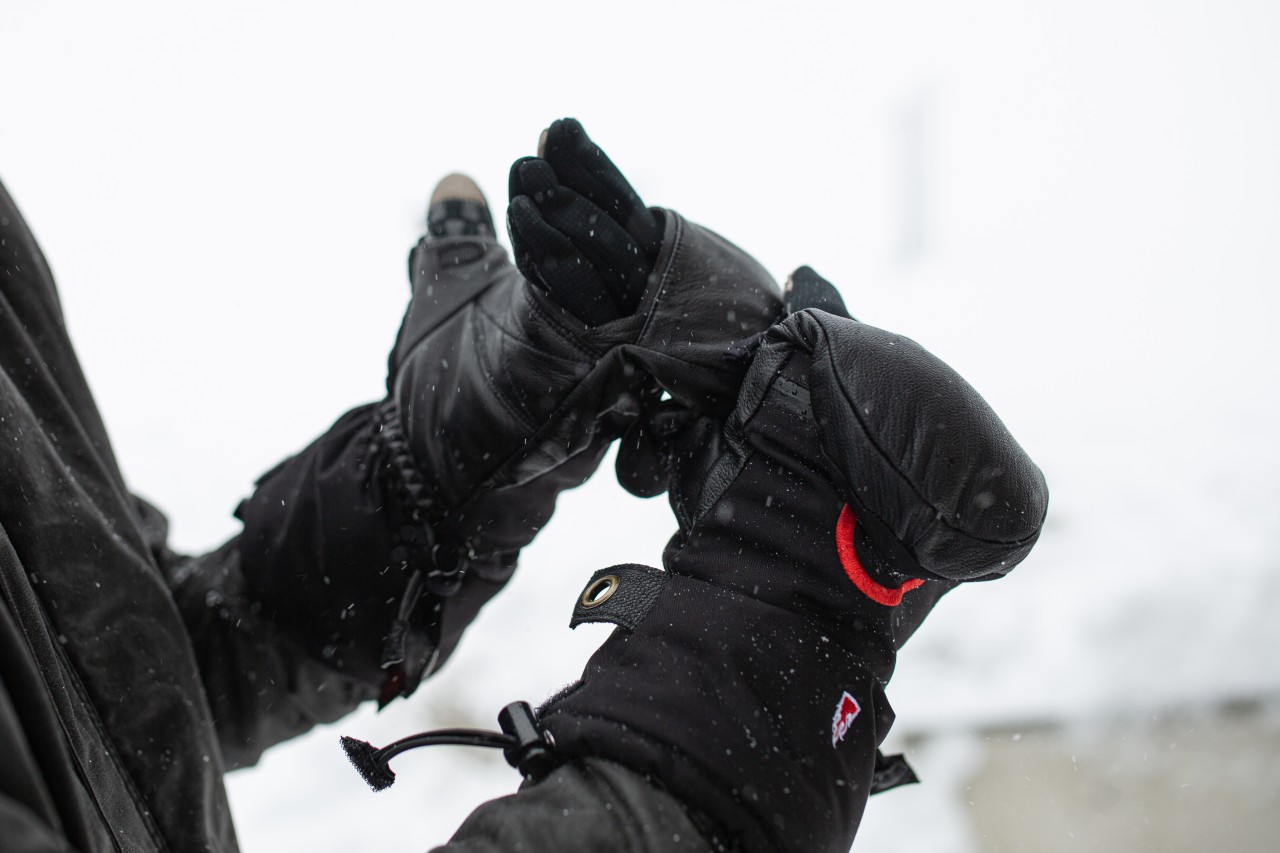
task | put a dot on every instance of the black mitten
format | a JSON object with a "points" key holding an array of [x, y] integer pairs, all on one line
{"points": [[857, 479]]}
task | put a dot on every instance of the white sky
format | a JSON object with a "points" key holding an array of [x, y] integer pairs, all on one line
{"points": [[1076, 204]]}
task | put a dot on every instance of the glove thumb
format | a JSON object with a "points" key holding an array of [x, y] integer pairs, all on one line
{"points": [[643, 465], [806, 289]]}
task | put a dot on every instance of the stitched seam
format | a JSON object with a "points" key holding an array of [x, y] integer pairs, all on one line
{"points": [[488, 373], [440, 321], [566, 335], [535, 439], [939, 516], [667, 275], [127, 780], [70, 676]]}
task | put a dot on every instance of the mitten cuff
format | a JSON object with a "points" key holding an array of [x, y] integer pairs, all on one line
{"points": [[753, 715]]}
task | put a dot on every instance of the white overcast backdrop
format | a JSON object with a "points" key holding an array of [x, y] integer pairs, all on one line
{"points": [[1077, 204]]}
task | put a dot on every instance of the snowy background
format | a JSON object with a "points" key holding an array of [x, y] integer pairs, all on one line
{"points": [[1076, 204]]}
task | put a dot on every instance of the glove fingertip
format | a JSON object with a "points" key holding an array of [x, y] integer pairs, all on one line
{"points": [[639, 463], [569, 131], [537, 179], [645, 225], [806, 289], [559, 136], [515, 181], [521, 214]]}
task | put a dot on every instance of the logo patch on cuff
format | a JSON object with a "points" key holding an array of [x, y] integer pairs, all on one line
{"points": [[847, 710]]}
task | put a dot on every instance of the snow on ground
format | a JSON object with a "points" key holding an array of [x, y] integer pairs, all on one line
{"points": [[1075, 204]]}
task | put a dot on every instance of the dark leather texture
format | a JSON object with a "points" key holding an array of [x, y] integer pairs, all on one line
{"points": [[631, 595], [499, 393], [920, 449]]}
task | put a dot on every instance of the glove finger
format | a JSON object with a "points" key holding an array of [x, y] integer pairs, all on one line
{"points": [[550, 260], [653, 441], [639, 465], [806, 289], [691, 454], [582, 166], [515, 183], [606, 245], [610, 249], [534, 177]]}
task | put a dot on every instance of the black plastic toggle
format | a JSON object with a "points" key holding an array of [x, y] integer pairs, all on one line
{"points": [[527, 746], [532, 752]]}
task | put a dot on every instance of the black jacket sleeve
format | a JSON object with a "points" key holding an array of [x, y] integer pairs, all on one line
{"points": [[262, 686], [315, 607], [585, 805], [41, 809]]}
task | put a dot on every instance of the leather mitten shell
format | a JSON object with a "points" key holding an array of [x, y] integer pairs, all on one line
{"points": [[753, 685]]}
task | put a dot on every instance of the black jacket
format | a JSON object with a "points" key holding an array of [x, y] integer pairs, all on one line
{"points": [[132, 678]]}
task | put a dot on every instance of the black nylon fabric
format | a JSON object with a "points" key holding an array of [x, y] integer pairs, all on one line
{"points": [[337, 604], [729, 701], [53, 803], [82, 580], [586, 806]]}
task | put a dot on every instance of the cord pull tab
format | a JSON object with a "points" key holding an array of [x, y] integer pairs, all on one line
{"points": [[532, 751], [891, 771]]}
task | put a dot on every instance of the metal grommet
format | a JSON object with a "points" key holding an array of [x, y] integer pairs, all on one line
{"points": [[446, 558], [599, 591]]}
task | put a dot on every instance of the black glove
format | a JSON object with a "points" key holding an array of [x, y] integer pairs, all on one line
{"points": [[505, 396], [579, 229], [857, 479], [499, 397]]}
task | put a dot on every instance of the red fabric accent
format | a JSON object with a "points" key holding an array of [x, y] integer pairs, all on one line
{"points": [[888, 596]]}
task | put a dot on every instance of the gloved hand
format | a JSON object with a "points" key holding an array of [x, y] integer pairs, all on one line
{"points": [[498, 383], [501, 394], [857, 479], [579, 230]]}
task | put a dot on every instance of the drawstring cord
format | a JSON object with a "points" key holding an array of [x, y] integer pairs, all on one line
{"points": [[436, 568], [527, 746]]}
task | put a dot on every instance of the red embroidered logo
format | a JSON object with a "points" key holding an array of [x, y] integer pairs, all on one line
{"points": [[847, 710]]}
